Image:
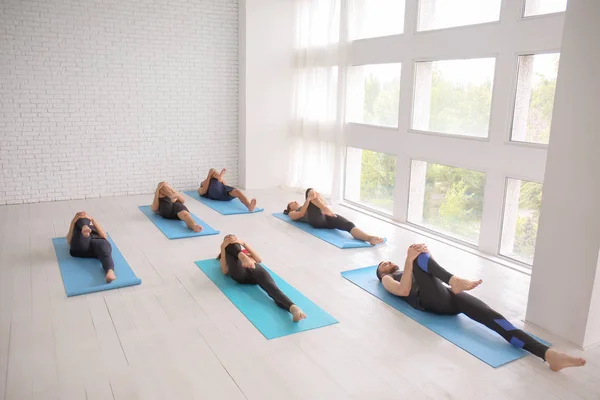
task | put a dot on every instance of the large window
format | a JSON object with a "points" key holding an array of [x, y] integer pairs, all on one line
{"points": [[535, 98], [370, 179], [521, 216], [374, 18], [448, 96], [446, 199], [538, 7], [453, 96], [438, 14], [373, 94]]}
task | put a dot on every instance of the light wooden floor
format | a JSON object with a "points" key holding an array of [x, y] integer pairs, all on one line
{"points": [[177, 337]]}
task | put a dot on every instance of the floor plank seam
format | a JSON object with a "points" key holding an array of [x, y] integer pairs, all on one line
{"points": [[117, 332], [7, 359], [222, 365]]}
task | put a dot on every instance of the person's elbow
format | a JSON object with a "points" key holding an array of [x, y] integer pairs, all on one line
{"points": [[402, 292]]}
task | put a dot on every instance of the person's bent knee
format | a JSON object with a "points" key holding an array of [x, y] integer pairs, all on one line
{"points": [[422, 261], [234, 249]]}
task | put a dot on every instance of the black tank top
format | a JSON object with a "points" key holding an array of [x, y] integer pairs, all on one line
{"points": [[413, 296]]}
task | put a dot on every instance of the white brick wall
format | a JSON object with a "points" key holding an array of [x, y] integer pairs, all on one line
{"points": [[109, 97]]}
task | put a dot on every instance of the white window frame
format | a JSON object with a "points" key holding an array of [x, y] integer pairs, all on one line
{"points": [[497, 155]]}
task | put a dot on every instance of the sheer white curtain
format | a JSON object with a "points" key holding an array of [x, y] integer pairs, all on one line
{"points": [[316, 150]]}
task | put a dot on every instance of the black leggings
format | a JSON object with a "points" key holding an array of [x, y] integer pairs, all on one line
{"points": [[317, 219], [257, 276], [98, 248], [435, 297]]}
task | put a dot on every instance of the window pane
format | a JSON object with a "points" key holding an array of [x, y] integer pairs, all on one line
{"points": [[318, 23], [538, 7], [521, 216], [453, 96], [374, 18], [373, 94], [438, 14], [446, 199], [370, 179], [535, 98]]}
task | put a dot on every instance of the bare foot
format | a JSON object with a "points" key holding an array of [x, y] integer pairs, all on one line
{"points": [[297, 313], [222, 173], [373, 240], [110, 276], [558, 360], [247, 262], [197, 228], [459, 285], [252, 205]]}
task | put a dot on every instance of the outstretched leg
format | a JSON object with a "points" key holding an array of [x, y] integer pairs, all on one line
{"points": [[186, 217], [336, 221], [426, 263], [237, 193], [482, 313], [103, 252], [361, 235], [266, 283]]}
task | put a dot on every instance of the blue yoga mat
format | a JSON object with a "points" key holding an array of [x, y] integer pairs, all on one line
{"points": [[174, 229], [232, 207], [261, 310], [467, 334], [338, 238], [85, 275]]}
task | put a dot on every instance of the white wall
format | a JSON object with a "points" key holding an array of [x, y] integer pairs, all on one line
{"points": [[266, 75], [562, 295], [108, 98]]}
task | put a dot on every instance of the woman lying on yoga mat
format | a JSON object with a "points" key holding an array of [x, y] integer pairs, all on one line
{"points": [[169, 204], [214, 187], [421, 285], [87, 239], [242, 264], [318, 215]]}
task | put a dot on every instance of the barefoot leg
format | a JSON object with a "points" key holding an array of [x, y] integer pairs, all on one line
{"points": [[459, 285], [110, 276], [189, 221], [221, 174], [558, 360], [361, 235], [297, 313], [237, 193], [247, 262]]}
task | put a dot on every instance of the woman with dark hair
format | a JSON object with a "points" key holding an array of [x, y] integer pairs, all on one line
{"points": [[242, 264], [87, 239], [317, 214], [426, 286]]}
